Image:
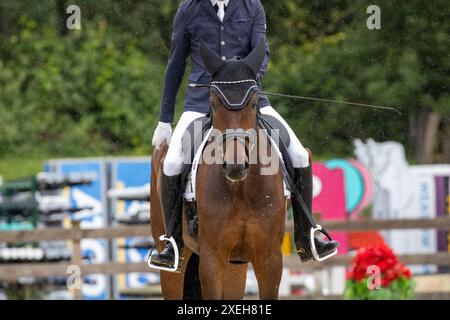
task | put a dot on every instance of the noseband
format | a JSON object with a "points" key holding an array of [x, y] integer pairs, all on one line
{"points": [[240, 136]]}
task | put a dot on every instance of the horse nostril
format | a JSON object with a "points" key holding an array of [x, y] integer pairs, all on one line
{"points": [[236, 172]]}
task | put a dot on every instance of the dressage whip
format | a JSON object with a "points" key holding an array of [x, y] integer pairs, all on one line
{"points": [[330, 100], [289, 96]]}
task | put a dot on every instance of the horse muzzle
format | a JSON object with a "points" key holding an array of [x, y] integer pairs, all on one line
{"points": [[236, 154], [236, 172]]}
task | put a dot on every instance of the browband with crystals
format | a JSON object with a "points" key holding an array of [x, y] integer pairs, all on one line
{"points": [[234, 94], [234, 82]]}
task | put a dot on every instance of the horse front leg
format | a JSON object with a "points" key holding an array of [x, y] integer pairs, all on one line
{"points": [[235, 280], [213, 265], [173, 284], [268, 270]]}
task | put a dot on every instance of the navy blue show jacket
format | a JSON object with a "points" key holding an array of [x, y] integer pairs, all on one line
{"points": [[244, 25]]}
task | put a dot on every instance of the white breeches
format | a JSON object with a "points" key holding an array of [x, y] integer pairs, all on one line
{"points": [[299, 155], [173, 163]]}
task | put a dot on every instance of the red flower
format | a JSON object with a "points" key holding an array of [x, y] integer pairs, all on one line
{"points": [[381, 256]]}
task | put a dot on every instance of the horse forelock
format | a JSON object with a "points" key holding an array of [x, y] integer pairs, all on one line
{"points": [[234, 70], [234, 83]]}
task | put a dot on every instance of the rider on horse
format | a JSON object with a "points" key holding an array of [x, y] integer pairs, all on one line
{"points": [[230, 28]]}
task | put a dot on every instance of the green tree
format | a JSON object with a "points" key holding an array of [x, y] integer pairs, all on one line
{"points": [[98, 90], [82, 94], [403, 65]]}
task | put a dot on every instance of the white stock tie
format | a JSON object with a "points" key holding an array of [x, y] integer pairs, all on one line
{"points": [[221, 11]]}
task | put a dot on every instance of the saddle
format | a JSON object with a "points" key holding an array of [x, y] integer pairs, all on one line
{"points": [[191, 147]]}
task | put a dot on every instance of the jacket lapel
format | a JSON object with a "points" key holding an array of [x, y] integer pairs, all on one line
{"points": [[210, 9], [232, 6]]}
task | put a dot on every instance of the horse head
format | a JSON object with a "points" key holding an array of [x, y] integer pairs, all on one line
{"points": [[233, 99]]}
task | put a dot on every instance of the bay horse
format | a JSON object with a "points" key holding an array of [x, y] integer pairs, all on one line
{"points": [[241, 212], [186, 284]]}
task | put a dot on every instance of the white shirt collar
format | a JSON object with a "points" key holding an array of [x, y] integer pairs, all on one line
{"points": [[213, 2]]}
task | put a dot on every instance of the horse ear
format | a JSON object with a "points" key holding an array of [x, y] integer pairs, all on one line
{"points": [[211, 60], [255, 59]]}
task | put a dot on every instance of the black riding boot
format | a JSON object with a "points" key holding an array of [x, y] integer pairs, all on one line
{"points": [[170, 194], [302, 225]]}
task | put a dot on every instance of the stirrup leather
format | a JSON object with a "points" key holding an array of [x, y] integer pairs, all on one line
{"points": [[174, 268], [313, 244]]}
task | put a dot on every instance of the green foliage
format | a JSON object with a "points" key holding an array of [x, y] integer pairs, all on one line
{"points": [[18, 167], [16, 291], [79, 95], [404, 65], [97, 90], [400, 289]]}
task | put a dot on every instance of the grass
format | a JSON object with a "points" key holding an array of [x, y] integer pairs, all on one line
{"points": [[18, 167]]}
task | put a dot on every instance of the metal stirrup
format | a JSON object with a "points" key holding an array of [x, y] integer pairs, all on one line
{"points": [[297, 197], [313, 244], [174, 268]]}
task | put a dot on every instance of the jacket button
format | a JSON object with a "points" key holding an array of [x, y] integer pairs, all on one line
{"points": [[224, 58], [222, 43], [222, 28]]}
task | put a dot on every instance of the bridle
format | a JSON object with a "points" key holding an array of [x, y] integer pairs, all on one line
{"points": [[245, 138], [215, 85]]}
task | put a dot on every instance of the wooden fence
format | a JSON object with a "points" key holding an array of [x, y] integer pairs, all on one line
{"points": [[10, 272]]}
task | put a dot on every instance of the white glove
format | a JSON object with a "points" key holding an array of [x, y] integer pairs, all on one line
{"points": [[162, 133]]}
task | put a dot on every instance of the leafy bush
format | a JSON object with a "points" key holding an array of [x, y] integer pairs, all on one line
{"points": [[76, 95]]}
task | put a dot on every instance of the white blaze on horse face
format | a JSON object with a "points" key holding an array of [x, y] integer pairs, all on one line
{"points": [[269, 156]]}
